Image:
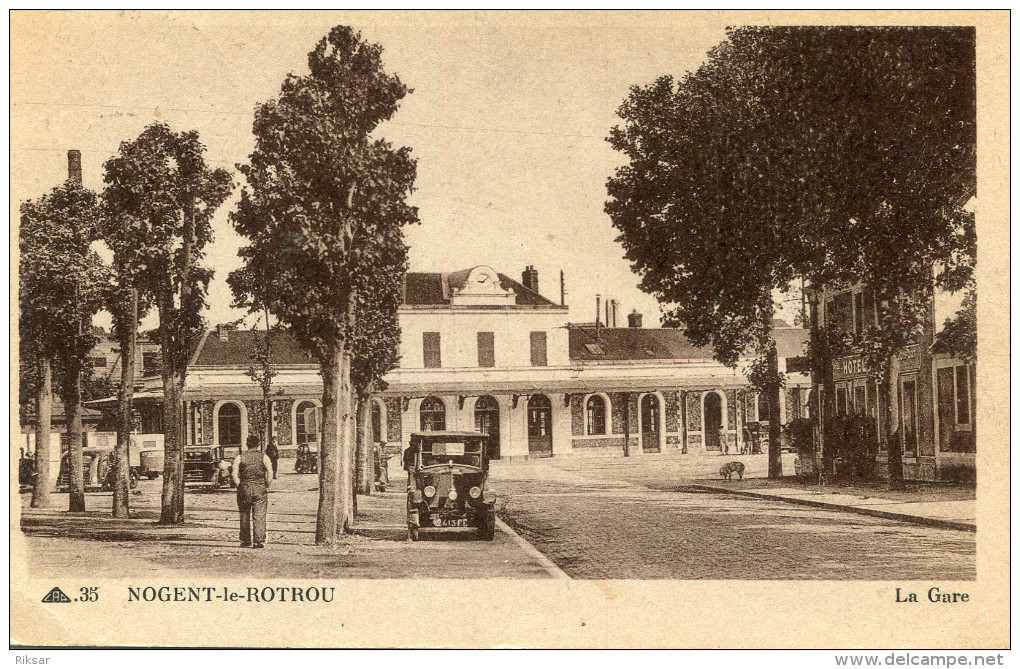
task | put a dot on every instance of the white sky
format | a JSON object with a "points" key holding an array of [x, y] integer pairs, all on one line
{"points": [[507, 119]]}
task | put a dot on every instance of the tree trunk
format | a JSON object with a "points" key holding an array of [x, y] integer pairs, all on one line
{"points": [[76, 456], [44, 410], [366, 462], [774, 392], [329, 449], [172, 503], [895, 444], [175, 367], [345, 480], [121, 478]]}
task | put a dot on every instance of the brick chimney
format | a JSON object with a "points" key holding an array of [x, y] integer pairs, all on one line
{"points": [[634, 319], [222, 332], [74, 166], [529, 277]]}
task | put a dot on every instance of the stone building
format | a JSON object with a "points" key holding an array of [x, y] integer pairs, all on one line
{"points": [[482, 351]]}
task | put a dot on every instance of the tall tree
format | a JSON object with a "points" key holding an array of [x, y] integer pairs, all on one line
{"points": [[322, 194], [61, 282], [161, 191], [842, 155]]}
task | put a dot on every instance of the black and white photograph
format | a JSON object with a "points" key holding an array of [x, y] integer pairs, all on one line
{"points": [[629, 329]]}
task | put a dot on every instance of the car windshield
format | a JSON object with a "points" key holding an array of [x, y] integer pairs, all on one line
{"points": [[451, 453]]}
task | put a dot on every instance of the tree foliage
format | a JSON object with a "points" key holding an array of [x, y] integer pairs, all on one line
{"points": [[323, 211], [62, 285], [842, 155], [162, 196]]}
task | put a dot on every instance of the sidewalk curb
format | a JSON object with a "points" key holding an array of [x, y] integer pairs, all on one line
{"points": [[888, 515], [548, 564]]}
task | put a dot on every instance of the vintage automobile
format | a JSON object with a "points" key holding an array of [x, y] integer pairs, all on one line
{"points": [[209, 464], [199, 466], [447, 483], [151, 463], [307, 460], [97, 469]]}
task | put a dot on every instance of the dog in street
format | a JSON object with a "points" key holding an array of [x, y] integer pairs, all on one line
{"points": [[730, 468]]}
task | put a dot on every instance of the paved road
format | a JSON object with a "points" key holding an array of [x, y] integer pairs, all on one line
{"points": [[596, 520]]}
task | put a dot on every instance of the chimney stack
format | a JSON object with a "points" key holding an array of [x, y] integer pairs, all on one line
{"points": [[634, 319], [529, 277], [598, 315], [222, 332], [615, 304], [74, 166]]}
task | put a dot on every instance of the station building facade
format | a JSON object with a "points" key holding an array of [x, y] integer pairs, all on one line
{"points": [[482, 351]]}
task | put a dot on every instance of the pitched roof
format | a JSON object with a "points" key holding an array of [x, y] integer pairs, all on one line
{"points": [[433, 289], [633, 344], [662, 344], [283, 349]]}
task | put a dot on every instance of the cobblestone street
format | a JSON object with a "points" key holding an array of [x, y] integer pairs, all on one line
{"points": [[595, 520]]}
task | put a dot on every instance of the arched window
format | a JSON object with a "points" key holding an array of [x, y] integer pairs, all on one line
{"points": [[306, 423], [433, 415], [596, 411], [229, 424]]}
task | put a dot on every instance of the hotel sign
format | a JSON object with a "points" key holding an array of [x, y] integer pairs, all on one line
{"points": [[850, 367]]}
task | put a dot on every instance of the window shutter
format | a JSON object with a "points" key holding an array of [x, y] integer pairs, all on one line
{"points": [[430, 347], [538, 349], [486, 349]]}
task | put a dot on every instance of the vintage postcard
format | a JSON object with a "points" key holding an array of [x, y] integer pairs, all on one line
{"points": [[509, 329]]}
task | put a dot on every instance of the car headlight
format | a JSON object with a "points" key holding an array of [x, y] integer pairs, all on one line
{"points": [[475, 492], [453, 494], [430, 491]]}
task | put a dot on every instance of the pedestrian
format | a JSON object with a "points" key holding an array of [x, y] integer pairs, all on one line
{"points": [[274, 454], [251, 476]]}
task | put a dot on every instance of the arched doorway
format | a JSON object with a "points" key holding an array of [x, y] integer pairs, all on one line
{"points": [[306, 423], [650, 424], [432, 414], [713, 421], [487, 420], [228, 425], [539, 427]]}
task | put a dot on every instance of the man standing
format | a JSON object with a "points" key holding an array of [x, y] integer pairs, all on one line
{"points": [[274, 454], [252, 472]]}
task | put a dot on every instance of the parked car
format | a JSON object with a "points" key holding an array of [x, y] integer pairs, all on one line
{"points": [[447, 483], [199, 466], [97, 470], [151, 463], [307, 461]]}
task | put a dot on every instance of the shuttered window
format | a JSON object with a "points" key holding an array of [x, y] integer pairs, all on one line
{"points": [[430, 348], [538, 349], [486, 349]]}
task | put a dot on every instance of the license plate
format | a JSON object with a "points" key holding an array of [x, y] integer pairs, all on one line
{"points": [[450, 522]]}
